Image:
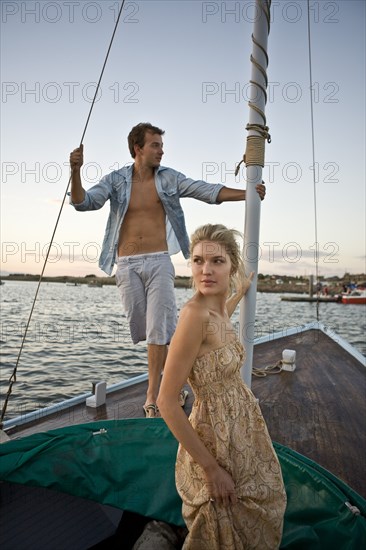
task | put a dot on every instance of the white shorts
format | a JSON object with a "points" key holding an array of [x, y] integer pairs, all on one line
{"points": [[146, 284]]}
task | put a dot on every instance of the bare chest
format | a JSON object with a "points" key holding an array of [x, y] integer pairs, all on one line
{"points": [[144, 196]]}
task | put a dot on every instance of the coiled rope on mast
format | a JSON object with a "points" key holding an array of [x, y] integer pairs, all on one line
{"points": [[255, 146], [13, 376]]}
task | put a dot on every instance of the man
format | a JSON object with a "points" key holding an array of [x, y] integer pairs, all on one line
{"points": [[145, 226]]}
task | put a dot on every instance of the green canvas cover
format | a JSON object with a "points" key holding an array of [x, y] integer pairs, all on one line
{"points": [[129, 464]]}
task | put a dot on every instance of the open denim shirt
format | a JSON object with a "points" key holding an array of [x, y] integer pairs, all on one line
{"points": [[170, 186]]}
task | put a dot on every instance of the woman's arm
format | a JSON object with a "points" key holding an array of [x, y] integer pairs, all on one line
{"points": [[240, 291], [183, 350]]}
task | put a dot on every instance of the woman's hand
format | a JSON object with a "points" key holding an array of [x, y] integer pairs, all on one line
{"points": [[243, 285], [221, 487]]}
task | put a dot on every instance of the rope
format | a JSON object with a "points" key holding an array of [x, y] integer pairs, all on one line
{"points": [[255, 145], [13, 376], [266, 7], [313, 157], [269, 369]]}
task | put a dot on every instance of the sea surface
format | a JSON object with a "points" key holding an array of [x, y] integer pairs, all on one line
{"points": [[78, 335]]}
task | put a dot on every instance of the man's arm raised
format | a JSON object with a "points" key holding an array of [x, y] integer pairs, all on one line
{"points": [[76, 162]]}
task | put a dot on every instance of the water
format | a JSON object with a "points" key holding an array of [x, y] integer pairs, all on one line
{"points": [[78, 335]]}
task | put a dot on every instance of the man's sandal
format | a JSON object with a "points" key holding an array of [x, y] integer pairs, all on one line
{"points": [[151, 411]]}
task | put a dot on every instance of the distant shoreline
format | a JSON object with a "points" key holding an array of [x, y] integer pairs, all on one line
{"points": [[275, 284]]}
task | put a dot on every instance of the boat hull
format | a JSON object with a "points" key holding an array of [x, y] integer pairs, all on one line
{"points": [[360, 300], [129, 464]]}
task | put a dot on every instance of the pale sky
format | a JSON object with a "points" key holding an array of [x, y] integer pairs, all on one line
{"points": [[183, 66]]}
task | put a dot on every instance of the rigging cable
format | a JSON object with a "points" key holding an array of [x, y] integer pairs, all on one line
{"points": [[12, 378], [313, 157]]}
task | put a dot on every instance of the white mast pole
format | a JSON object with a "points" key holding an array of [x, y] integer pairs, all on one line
{"points": [[254, 160]]}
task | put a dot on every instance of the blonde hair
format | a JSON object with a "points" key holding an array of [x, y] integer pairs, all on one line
{"points": [[223, 236]]}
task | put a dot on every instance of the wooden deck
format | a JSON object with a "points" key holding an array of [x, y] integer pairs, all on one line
{"points": [[319, 410]]}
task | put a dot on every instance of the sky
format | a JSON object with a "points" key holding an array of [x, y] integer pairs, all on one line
{"points": [[183, 66]]}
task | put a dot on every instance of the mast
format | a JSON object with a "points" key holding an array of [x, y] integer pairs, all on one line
{"points": [[254, 161]]}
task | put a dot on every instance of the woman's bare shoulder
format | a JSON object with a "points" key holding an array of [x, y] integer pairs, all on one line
{"points": [[194, 311]]}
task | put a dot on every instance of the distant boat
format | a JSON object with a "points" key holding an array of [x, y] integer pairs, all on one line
{"points": [[73, 284], [357, 296], [95, 284]]}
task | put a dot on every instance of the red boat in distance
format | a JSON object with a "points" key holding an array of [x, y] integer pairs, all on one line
{"points": [[356, 296]]}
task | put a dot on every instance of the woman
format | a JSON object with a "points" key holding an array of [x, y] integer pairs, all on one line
{"points": [[227, 472]]}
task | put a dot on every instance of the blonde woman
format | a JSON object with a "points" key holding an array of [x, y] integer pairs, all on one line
{"points": [[227, 472]]}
